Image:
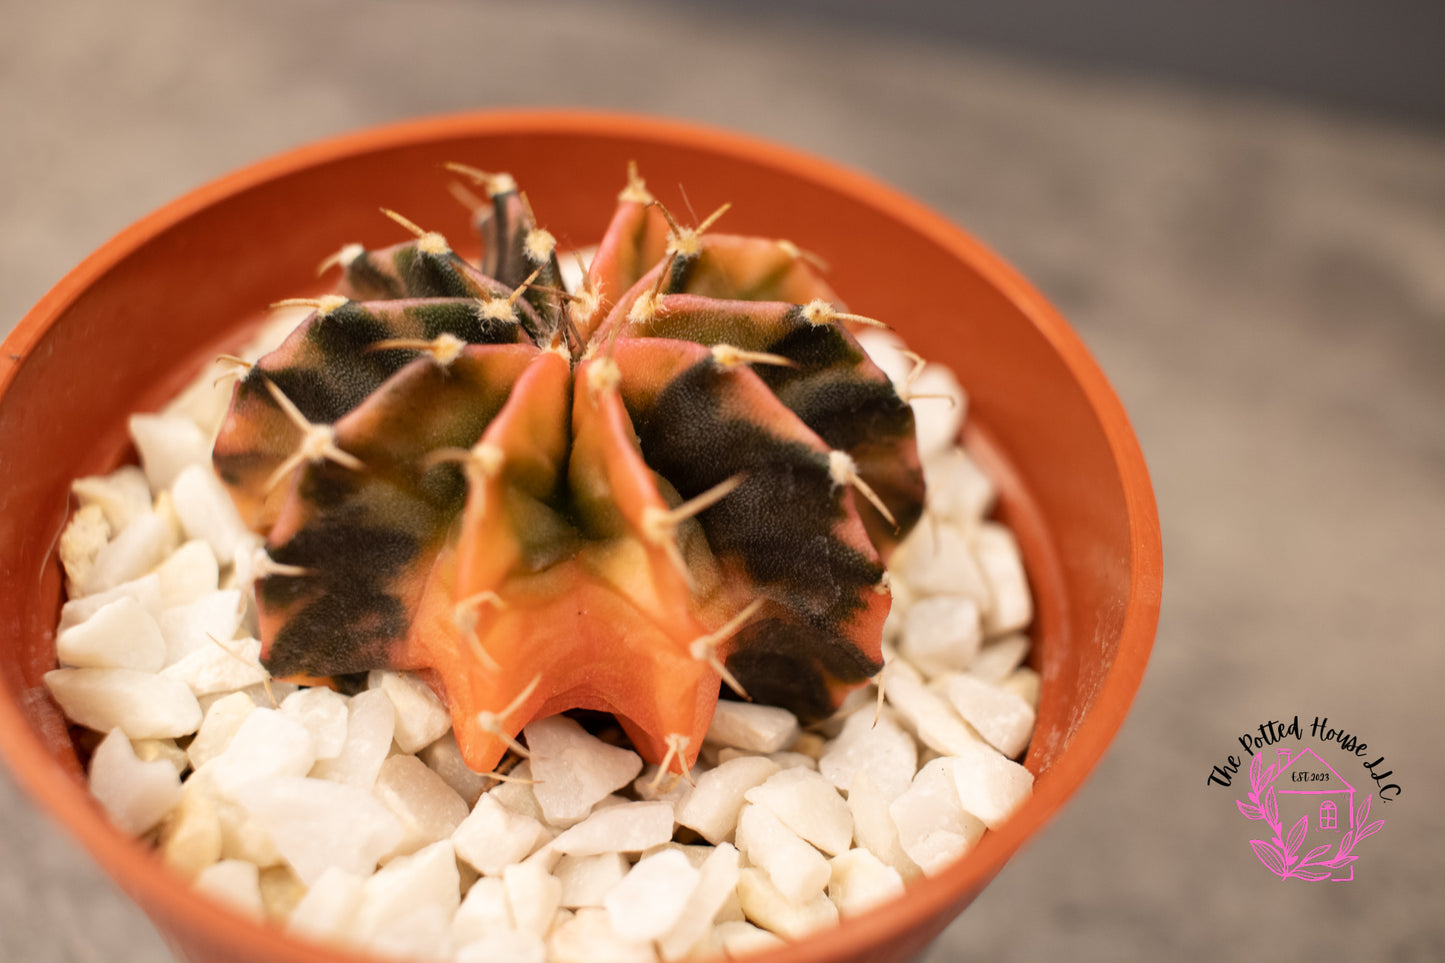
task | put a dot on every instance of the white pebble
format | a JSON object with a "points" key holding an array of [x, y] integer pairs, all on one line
{"points": [[445, 759], [491, 837], [421, 717], [504, 946], [281, 891], [328, 910], [207, 512], [191, 838], [167, 445], [546, 855], [207, 399], [122, 496], [246, 567], [797, 869], [712, 807], [485, 910], [588, 938], [696, 853], [652, 896], [223, 718], [135, 794], [242, 835], [427, 879], [755, 728], [937, 420], [741, 938], [80, 542], [937, 559], [369, 724], [768, 907], [516, 793], [933, 827], [220, 666], [717, 883], [271, 693], [1004, 719], [122, 635], [996, 660], [146, 590], [324, 714], [189, 628], [809, 805], [574, 769], [932, 718], [885, 349], [131, 554], [941, 634], [586, 880], [958, 490], [562, 916], [266, 745], [671, 786], [902, 600], [163, 750], [145, 705], [1002, 564], [428, 809], [422, 934], [533, 895], [626, 828], [188, 574], [879, 748], [990, 786], [861, 881], [873, 826], [793, 760], [234, 882], [1026, 684]]}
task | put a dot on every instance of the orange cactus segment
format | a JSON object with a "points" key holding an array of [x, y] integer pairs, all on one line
{"points": [[591, 649], [792, 529], [426, 407], [749, 325], [515, 250], [367, 539], [256, 438], [332, 362], [411, 269], [635, 241], [722, 267], [754, 269], [829, 383], [511, 521], [607, 628], [617, 498]]}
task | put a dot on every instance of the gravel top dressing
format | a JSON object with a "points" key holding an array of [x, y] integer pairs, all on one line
{"points": [[356, 818]]}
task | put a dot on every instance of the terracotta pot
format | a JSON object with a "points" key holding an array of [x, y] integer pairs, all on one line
{"points": [[127, 327]]}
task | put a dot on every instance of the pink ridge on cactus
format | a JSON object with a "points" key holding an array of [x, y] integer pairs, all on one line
{"points": [[685, 475]]}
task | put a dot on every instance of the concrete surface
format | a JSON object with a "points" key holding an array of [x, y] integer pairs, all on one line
{"points": [[1265, 287]]}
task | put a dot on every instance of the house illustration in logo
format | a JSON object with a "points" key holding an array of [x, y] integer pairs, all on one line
{"points": [[1307, 786]]}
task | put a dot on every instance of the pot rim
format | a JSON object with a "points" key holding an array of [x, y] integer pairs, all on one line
{"points": [[132, 864]]}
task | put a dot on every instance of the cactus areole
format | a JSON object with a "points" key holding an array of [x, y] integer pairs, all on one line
{"points": [[683, 476]]}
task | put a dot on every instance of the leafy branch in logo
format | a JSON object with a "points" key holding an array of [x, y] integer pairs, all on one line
{"points": [[1279, 854]]}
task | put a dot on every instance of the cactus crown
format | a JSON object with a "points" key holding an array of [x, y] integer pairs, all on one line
{"points": [[685, 474]]}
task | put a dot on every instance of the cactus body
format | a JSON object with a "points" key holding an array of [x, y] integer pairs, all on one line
{"points": [[687, 474]]}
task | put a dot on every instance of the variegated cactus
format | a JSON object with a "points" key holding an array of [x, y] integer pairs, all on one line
{"points": [[684, 475]]}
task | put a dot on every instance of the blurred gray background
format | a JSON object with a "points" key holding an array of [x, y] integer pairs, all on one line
{"points": [[1241, 207]]}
